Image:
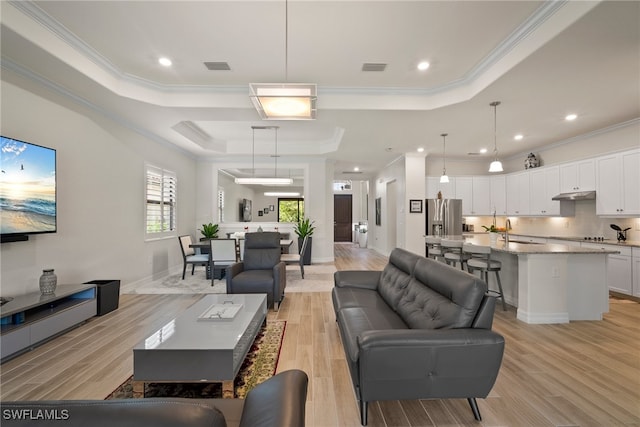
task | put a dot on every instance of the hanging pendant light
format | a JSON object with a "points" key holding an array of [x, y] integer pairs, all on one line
{"points": [[264, 180], [444, 178], [496, 165]]}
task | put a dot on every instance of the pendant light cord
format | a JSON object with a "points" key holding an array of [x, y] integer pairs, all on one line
{"points": [[495, 127], [444, 169], [286, 41]]}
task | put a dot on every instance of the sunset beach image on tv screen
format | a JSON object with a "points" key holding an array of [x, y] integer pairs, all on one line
{"points": [[27, 187]]}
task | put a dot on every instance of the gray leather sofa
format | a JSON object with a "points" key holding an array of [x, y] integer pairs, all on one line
{"points": [[261, 271], [277, 402], [419, 329]]}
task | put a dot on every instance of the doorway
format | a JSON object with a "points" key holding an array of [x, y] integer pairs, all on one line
{"points": [[392, 206], [342, 217]]}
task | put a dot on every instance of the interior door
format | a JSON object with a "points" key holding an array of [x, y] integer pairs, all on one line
{"points": [[342, 217]]}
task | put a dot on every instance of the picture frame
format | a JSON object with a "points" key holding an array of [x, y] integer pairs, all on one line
{"points": [[260, 213], [272, 208], [415, 206], [379, 211], [266, 210]]}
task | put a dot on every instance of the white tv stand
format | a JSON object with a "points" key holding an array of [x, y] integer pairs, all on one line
{"points": [[31, 319]]}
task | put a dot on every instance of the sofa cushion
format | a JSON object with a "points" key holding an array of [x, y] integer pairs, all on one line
{"points": [[356, 297], [441, 296], [353, 321], [396, 276]]}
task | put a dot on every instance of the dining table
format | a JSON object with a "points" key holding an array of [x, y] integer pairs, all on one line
{"points": [[285, 244]]}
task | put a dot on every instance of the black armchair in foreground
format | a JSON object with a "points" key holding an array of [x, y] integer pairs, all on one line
{"points": [[261, 271]]}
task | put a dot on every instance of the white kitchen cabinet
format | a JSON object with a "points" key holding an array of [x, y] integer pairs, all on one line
{"points": [[498, 190], [578, 176], [433, 185], [517, 185], [544, 184], [635, 274], [617, 182], [482, 195], [464, 192], [619, 267], [475, 192]]}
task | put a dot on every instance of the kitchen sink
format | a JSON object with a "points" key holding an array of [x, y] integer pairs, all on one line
{"points": [[522, 242]]}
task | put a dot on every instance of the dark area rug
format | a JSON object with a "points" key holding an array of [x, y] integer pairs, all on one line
{"points": [[259, 365]]}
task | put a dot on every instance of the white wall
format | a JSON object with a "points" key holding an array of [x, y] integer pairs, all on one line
{"points": [[100, 183]]}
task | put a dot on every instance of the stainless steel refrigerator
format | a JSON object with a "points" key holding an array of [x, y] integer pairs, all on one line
{"points": [[444, 217]]}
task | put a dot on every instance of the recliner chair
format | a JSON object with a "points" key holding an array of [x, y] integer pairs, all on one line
{"points": [[261, 271]]}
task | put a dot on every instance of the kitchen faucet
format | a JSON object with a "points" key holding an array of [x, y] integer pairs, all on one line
{"points": [[507, 227]]}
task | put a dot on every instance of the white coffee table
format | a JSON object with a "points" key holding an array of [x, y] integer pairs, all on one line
{"points": [[189, 349]]}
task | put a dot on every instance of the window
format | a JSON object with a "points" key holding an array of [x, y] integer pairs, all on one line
{"points": [[160, 215], [290, 210]]}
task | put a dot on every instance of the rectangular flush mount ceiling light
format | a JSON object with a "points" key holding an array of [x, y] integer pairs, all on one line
{"points": [[265, 181], [281, 194], [284, 101]]}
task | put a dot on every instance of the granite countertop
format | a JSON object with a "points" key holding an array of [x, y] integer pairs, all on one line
{"points": [[525, 248]]}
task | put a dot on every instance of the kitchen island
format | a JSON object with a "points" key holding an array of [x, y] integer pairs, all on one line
{"points": [[550, 283]]}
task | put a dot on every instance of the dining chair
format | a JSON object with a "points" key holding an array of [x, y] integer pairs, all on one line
{"points": [[222, 254], [189, 255], [481, 260], [241, 249], [297, 258]]}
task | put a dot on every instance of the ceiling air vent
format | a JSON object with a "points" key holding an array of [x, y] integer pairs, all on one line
{"points": [[370, 66], [352, 172], [217, 66]]}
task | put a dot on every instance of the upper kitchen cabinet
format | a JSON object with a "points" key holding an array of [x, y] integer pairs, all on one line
{"points": [[578, 176], [617, 183], [517, 185], [499, 194], [475, 193], [544, 184], [433, 185]]}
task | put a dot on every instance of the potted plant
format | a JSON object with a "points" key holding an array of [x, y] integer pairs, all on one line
{"points": [[493, 232], [209, 231], [304, 228], [362, 237]]}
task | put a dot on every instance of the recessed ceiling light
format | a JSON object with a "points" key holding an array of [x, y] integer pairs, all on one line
{"points": [[518, 137], [483, 150], [164, 61], [356, 169], [423, 65], [420, 150], [571, 117]]}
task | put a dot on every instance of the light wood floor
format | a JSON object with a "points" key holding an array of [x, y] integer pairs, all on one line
{"points": [[577, 374]]}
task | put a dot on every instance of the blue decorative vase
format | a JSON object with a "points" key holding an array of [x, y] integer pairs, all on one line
{"points": [[48, 282]]}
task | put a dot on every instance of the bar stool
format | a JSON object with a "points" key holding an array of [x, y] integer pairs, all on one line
{"points": [[452, 250], [481, 260], [434, 250]]}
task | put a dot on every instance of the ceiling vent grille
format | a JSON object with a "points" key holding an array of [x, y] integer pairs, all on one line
{"points": [[352, 172], [370, 66], [217, 66]]}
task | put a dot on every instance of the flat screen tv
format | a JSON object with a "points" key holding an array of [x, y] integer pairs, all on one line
{"points": [[27, 189]]}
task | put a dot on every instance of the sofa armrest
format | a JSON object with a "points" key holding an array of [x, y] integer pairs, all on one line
{"points": [[277, 402], [232, 271], [279, 278], [364, 279], [456, 362]]}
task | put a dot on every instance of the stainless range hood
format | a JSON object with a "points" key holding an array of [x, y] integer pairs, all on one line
{"points": [[576, 195]]}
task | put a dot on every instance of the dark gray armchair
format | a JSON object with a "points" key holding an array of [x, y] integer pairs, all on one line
{"points": [[261, 271]]}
